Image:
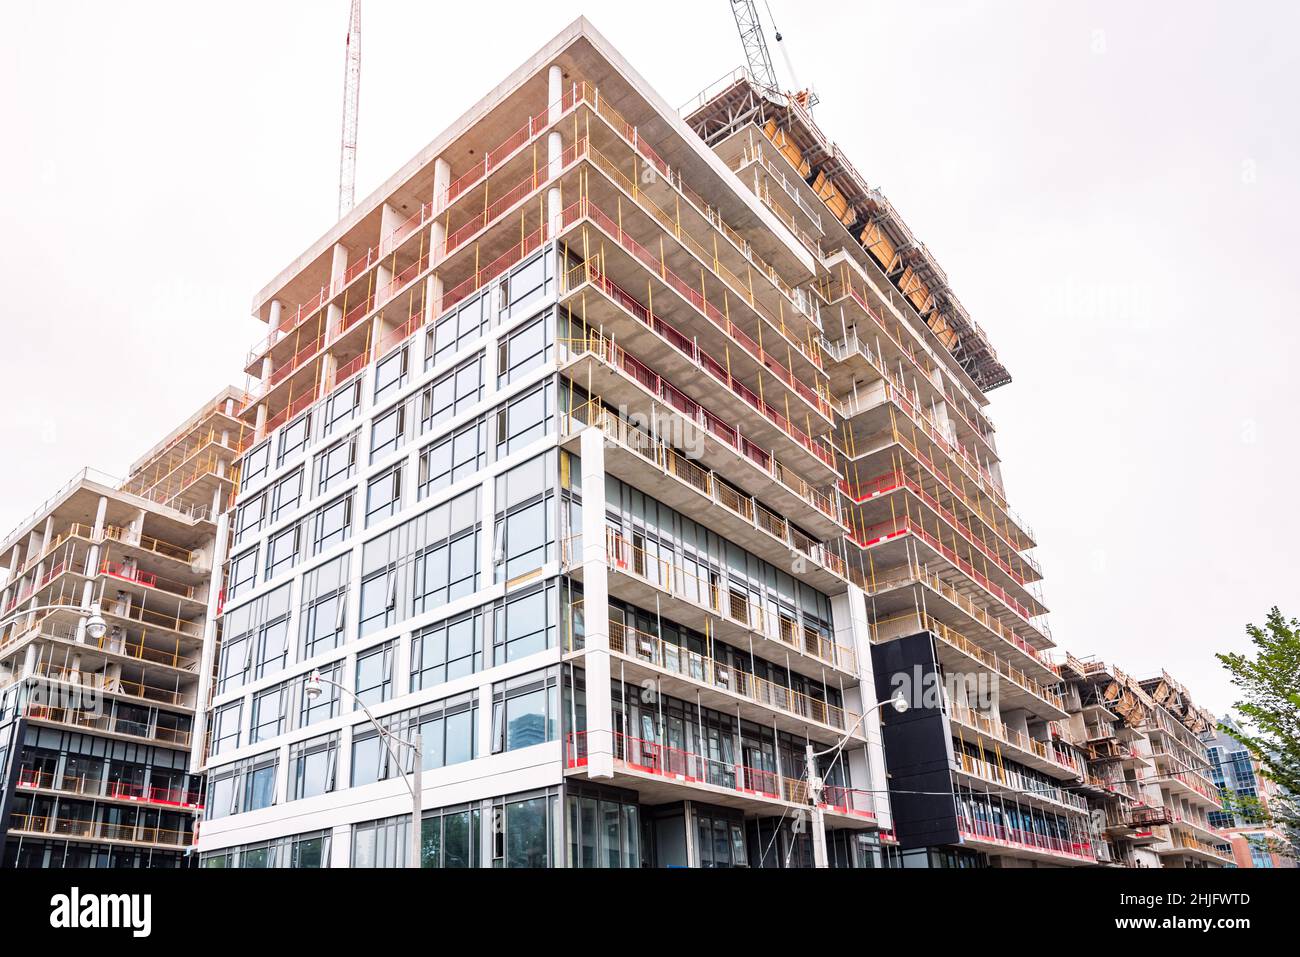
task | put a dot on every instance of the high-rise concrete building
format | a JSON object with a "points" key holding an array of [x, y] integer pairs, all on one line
{"points": [[940, 560], [107, 629], [626, 455]]}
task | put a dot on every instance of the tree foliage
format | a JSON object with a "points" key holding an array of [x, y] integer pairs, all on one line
{"points": [[1269, 682]]}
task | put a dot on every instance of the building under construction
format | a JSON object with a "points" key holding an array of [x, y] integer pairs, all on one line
{"points": [[710, 322], [107, 630], [1146, 774]]}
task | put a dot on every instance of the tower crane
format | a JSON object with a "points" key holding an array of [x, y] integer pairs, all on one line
{"points": [[351, 102], [754, 43], [757, 58]]}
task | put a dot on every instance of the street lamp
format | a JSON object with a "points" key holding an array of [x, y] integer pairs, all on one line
{"points": [[314, 691], [820, 858]]}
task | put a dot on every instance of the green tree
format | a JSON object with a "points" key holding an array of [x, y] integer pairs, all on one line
{"points": [[1269, 682]]}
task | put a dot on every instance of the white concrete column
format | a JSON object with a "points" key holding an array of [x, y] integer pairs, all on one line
{"points": [[273, 323], [101, 511], [554, 147], [29, 660], [867, 771], [262, 411], [334, 315], [595, 604], [554, 195], [338, 267], [437, 241], [441, 180], [389, 220], [207, 656], [554, 91], [432, 298], [87, 597]]}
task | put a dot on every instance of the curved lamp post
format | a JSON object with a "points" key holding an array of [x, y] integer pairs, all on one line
{"points": [[314, 690], [820, 858]]}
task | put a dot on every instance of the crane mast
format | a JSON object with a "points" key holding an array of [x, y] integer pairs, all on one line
{"points": [[754, 43], [351, 101]]}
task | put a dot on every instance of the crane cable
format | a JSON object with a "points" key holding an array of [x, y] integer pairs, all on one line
{"points": [[785, 53]]}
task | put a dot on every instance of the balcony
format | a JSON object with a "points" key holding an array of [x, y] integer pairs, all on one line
{"points": [[1023, 788], [78, 830], [1109, 750], [116, 687], [660, 772], [642, 462], [147, 647], [1039, 755], [137, 576], [696, 671], [32, 779], [609, 371], [708, 606], [718, 332], [1035, 698], [884, 544], [109, 724], [895, 601], [1184, 845], [996, 838], [150, 545]]}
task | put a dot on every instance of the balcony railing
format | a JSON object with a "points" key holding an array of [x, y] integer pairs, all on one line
{"points": [[903, 525], [998, 773], [649, 757], [107, 723], [119, 686], [113, 790], [97, 830], [137, 576], [626, 558], [588, 271], [667, 656], [974, 610], [1180, 841], [1015, 837], [706, 483], [607, 351], [992, 661], [995, 729]]}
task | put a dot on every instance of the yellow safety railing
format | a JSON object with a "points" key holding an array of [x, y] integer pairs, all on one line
{"points": [[72, 827]]}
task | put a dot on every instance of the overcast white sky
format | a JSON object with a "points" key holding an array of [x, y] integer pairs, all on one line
{"points": [[1112, 188]]}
